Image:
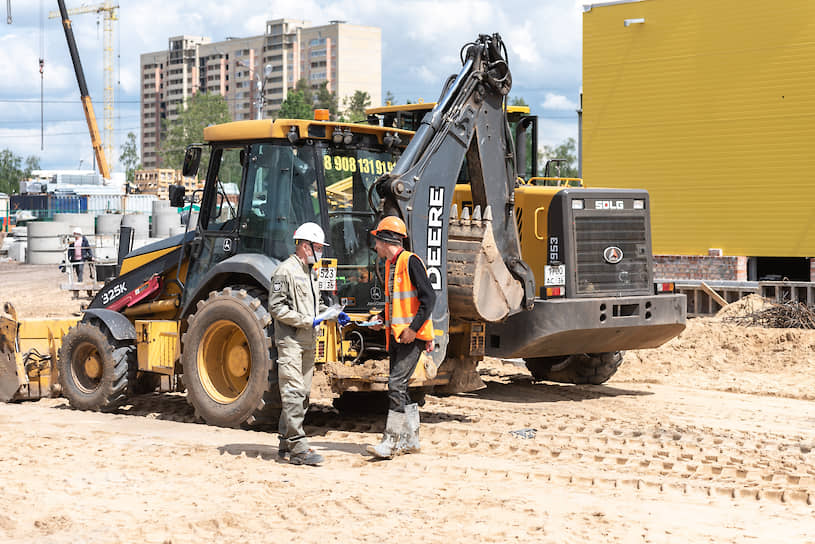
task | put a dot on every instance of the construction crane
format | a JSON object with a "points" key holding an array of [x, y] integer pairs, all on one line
{"points": [[110, 14]]}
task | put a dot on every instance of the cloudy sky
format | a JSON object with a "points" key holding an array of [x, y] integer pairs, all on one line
{"points": [[420, 48]]}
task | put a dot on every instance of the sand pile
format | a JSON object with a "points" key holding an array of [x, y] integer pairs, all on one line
{"points": [[715, 354]]}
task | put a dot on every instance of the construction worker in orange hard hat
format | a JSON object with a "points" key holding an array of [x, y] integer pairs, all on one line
{"points": [[409, 301]]}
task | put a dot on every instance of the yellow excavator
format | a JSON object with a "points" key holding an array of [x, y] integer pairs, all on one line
{"points": [[561, 277]]}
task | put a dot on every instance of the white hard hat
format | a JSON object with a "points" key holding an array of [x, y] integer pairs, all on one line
{"points": [[311, 232], [77, 230]]}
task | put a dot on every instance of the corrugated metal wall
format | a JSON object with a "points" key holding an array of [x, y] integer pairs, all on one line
{"points": [[44, 205], [710, 105]]}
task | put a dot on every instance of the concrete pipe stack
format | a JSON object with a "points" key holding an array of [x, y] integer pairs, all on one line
{"points": [[164, 222], [85, 221], [164, 218], [45, 242], [108, 223], [19, 244], [160, 206], [139, 223]]}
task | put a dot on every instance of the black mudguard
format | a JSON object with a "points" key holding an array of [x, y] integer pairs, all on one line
{"points": [[253, 267], [118, 324]]}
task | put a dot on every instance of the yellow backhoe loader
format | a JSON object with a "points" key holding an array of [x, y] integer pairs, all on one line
{"points": [[561, 277]]}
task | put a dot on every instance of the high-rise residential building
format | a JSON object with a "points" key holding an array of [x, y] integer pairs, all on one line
{"points": [[346, 57]]}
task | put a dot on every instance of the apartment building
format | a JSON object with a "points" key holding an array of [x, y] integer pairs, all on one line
{"points": [[347, 57]]}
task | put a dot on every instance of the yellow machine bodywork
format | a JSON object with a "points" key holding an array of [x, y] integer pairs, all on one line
{"points": [[157, 345], [32, 345]]}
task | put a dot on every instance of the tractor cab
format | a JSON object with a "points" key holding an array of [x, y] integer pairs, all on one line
{"points": [[265, 178]]}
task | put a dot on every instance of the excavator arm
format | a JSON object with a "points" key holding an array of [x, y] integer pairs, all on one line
{"points": [[473, 260]]}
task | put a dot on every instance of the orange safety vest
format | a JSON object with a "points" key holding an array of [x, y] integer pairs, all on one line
{"points": [[402, 301]]}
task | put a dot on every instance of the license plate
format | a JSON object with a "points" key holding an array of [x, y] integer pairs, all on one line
{"points": [[554, 275], [327, 278]]}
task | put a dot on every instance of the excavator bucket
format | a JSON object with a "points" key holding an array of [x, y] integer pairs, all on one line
{"points": [[9, 371], [480, 286], [28, 355]]}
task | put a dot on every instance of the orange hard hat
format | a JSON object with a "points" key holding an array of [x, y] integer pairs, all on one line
{"points": [[391, 227]]}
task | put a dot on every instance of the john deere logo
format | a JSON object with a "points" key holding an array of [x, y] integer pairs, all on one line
{"points": [[613, 254]]}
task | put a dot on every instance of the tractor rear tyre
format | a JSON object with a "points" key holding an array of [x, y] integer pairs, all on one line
{"points": [[583, 368], [228, 358], [93, 367]]}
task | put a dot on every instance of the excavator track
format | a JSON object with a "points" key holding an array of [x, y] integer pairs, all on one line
{"points": [[480, 286]]}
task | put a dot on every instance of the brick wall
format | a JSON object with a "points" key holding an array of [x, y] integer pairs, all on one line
{"points": [[701, 267]]}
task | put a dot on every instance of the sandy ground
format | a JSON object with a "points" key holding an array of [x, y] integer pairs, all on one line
{"points": [[706, 439]]}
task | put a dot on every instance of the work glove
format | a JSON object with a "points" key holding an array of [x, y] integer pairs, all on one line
{"points": [[343, 319], [316, 323]]}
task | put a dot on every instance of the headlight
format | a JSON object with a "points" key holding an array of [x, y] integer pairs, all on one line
{"points": [[577, 204]]}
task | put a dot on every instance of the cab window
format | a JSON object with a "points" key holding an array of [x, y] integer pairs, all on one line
{"points": [[281, 193], [222, 212]]}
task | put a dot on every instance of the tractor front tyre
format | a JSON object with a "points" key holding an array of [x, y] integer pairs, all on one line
{"points": [[227, 358], [93, 367], [582, 368]]}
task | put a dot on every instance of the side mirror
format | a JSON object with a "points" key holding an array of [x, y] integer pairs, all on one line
{"points": [[176, 194], [192, 160]]}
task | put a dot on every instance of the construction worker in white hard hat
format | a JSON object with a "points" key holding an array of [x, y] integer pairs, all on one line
{"points": [[79, 251], [294, 302]]}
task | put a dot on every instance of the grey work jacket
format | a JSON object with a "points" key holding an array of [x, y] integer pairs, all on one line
{"points": [[294, 301]]}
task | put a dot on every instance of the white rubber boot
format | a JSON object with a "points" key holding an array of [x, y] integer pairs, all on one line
{"points": [[393, 429], [410, 435]]}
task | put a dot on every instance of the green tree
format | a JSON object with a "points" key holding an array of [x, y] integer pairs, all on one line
{"points": [[518, 101], [12, 170], [567, 151], [202, 110], [327, 100], [130, 156], [303, 86], [355, 106], [389, 100], [295, 106]]}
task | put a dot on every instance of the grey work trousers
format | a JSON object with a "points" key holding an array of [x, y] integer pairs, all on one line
{"points": [[295, 368], [403, 360]]}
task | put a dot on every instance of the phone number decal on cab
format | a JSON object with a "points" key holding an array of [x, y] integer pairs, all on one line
{"points": [[352, 164]]}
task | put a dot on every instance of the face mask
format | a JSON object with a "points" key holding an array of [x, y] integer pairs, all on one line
{"points": [[312, 259]]}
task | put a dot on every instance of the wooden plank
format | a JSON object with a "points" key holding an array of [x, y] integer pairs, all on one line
{"points": [[714, 295]]}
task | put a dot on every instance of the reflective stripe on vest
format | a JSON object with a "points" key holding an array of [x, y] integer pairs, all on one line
{"points": [[402, 300]]}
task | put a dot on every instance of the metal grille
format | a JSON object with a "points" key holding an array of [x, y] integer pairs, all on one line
{"points": [[593, 234]]}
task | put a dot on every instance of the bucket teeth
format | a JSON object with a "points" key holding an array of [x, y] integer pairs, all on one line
{"points": [[465, 214], [477, 213], [454, 212], [488, 213]]}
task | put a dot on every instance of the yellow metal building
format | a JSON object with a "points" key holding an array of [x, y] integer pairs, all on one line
{"points": [[710, 105]]}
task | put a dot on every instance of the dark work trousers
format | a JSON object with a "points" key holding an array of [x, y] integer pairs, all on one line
{"points": [[78, 268], [404, 358]]}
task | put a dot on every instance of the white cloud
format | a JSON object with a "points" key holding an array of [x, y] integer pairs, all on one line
{"points": [[558, 102], [553, 132], [19, 66], [421, 40]]}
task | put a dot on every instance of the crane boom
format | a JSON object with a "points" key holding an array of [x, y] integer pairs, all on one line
{"points": [[90, 117]]}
